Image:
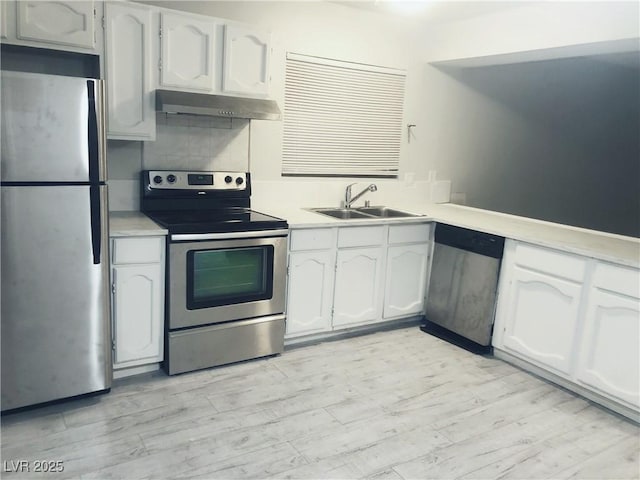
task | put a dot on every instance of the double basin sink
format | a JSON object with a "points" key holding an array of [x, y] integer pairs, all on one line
{"points": [[363, 213]]}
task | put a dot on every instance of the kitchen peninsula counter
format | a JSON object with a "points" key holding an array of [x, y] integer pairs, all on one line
{"points": [[610, 247]]}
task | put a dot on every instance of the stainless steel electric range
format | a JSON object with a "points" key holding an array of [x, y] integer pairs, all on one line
{"points": [[226, 270]]}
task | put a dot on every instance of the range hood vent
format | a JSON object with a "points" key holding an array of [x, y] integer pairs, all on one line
{"points": [[169, 101]]}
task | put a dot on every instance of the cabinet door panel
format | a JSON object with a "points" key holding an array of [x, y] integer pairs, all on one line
{"points": [[405, 280], [138, 314], [610, 350], [310, 293], [358, 290], [130, 93], [64, 23], [246, 61], [187, 52], [541, 318]]}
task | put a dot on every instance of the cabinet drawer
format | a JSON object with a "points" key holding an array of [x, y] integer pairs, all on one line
{"points": [[615, 278], [414, 233], [361, 236], [554, 262], [311, 239], [137, 250]]}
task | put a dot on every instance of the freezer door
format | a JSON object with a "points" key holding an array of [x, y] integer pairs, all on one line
{"points": [[52, 129], [55, 328]]}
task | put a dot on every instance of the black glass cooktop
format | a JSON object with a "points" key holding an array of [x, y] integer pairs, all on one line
{"points": [[216, 221]]}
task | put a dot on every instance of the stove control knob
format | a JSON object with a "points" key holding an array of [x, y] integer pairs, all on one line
{"points": [[171, 178], [239, 181], [157, 179], [228, 179]]}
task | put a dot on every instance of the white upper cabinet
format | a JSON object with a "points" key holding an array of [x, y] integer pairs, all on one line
{"points": [[187, 53], [247, 54], [70, 23], [610, 349], [130, 89]]}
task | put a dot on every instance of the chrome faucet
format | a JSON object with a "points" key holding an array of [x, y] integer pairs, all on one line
{"points": [[348, 199]]}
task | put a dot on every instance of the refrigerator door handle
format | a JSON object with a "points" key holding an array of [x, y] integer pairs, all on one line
{"points": [[95, 209], [95, 132]]}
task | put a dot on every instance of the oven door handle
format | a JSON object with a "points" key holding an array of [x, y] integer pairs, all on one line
{"points": [[189, 237]]}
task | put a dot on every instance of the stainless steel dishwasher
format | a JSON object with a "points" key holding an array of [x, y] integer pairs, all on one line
{"points": [[463, 286]]}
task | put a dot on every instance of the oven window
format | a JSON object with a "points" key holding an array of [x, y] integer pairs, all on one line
{"points": [[229, 276]]}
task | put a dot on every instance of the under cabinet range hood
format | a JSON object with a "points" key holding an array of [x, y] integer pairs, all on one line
{"points": [[169, 101]]}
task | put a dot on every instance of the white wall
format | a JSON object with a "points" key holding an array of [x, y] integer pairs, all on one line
{"points": [[531, 26], [328, 30], [556, 140], [459, 124]]}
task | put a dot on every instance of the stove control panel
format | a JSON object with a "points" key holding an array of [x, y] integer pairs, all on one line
{"points": [[196, 180]]}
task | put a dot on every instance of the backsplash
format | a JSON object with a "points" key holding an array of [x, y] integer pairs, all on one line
{"points": [[193, 142]]}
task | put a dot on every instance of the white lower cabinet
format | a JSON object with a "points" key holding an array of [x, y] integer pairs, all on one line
{"points": [[609, 360], [574, 317], [358, 290], [310, 292], [405, 280], [406, 270], [137, 275], [540, 305], [350, 276], [137, 332], [542, 315]]}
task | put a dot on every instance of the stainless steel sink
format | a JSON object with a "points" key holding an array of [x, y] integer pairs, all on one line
{"points": [[363, 213], [386, 212], [341, 213]]}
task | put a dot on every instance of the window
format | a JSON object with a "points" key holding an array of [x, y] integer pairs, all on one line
{"points": [[341, 119]]}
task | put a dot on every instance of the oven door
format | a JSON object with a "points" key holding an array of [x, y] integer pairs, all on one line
{"points": [[215, 278]]}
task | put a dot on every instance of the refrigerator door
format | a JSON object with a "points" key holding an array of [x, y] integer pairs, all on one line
{"points": [[52, 129], [55, 321]]}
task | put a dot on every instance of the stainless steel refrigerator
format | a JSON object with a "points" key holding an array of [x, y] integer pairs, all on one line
{"points": [[55, 324]]}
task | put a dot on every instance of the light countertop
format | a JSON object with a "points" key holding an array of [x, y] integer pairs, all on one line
{"points": [[590, 243], [132, 224]]}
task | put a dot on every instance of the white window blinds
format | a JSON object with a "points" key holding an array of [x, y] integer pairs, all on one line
{"points": [[341, 119]]}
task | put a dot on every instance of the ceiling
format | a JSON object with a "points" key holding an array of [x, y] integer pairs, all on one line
{"points": [[430, 11]]}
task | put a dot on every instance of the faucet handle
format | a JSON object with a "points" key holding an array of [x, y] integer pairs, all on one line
{"points": [[347, 195]]}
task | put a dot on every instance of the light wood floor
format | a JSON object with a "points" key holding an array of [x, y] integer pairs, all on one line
{"points": [[394, 405]]}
